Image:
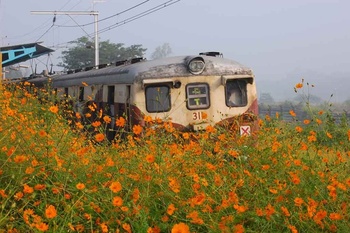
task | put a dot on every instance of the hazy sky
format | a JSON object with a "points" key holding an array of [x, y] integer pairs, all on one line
{"points": [[275, 38]]}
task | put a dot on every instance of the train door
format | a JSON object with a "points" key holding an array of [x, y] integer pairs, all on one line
{"points": [[128, 114]]}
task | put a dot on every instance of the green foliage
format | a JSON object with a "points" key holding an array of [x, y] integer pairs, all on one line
{"points": [[82, 54], [287, 177]]}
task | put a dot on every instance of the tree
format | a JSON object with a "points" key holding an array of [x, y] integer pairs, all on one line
{"points": [[266, 98], [310, 99], [161, 51], [82, 54]]}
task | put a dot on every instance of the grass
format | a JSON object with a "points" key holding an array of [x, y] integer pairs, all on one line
{"points": [[288, 177]]}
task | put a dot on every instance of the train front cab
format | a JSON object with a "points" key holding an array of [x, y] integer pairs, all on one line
{"points": [[194, 103]]}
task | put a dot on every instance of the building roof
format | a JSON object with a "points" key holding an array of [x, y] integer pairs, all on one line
{"points": [[19, 53]]}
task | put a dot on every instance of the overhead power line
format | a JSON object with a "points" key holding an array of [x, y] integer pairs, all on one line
{"points": [[140, 15], [109, 17], [130, 19]]}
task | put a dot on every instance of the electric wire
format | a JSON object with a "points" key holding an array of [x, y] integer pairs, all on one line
{"points": [[130, 19], [140, 15], [109, 17], [43, 25]]}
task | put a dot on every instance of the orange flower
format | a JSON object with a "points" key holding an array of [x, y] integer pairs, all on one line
{"points": [[285, 211], [96, 124], [3, 193], [180, 228], [127, 227], [292, 113], [137, 129], [115, 187], [299, 129], [294, 177], [135, 195], [107, 119], [147, 119], [186, 135], [18, 196], [155, 229], [195, 217], [306, 121], [117, 201], [335, 216], [42, 226], [104, 227], [27, 189], [259, 212], [42, 133], [298, 201], [210, 129], [274, 191], [51, 211], [239, 228], [54, 109], [120, 122], [174, 185], [269, 210], [150, 158], [80, 186], [329, 135], [319, 216], [99, 137], [39, 187], [293, 229], [240, 209], [298, 85], [171, 209], [20, 158]]}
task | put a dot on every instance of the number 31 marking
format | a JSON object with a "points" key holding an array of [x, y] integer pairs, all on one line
{"points": [[196, 116]]}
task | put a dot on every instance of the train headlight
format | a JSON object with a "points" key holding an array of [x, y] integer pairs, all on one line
{"points": [[196, 65]]}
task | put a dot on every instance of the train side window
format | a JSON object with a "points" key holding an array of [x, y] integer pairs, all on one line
{"points": [[81, 94], [197, 96], [236, 93], [158, 98]]}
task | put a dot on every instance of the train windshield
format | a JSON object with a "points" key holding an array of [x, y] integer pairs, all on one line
{"points": [[236, 93], [197, 96], [158, 98]]}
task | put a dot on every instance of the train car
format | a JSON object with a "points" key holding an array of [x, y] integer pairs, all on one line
{"points": [[193, 91]]}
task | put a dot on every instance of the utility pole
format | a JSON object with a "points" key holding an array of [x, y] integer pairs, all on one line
{"points": [[94, 13]]}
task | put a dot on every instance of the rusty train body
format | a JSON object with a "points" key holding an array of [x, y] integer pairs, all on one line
{"points": [[193, 91]]}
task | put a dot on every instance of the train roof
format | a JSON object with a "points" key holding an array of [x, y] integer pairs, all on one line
{"points": [[150, 69]]}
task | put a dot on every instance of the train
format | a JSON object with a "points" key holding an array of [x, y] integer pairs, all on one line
{"points": [[193, 91]]}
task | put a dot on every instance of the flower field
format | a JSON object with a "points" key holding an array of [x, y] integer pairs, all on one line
{"points": [[55, 177]]}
